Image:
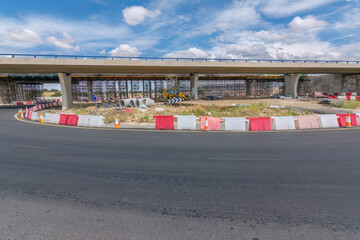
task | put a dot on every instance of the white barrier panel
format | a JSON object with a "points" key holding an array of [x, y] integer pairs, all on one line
{"points": [[235, 124], [328, 120], [55, 119], [96, 121], [284, 123], [84, 120], [35, 116], [48, 117], [186, 122], [52, 118]]}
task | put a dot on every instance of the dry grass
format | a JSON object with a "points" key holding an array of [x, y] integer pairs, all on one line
{"points": [[347, 104], [146, 116]]}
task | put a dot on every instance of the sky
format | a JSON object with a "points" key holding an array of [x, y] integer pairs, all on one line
{"points": [[239, 29]]}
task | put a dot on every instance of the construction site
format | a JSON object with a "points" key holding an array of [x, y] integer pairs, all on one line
{"points": [[27, 87]]}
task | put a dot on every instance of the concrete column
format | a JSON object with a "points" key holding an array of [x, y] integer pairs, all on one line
{"points": [[194, 85], [248, 87], [89, 85], [291, 83], [65, 82]]}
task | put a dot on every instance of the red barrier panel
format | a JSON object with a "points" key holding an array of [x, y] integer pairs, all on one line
{"points": [[63, 119], [260, 124], [67, 119], [72, 120], [37, 107], [164, 122], [29, 103], [29, 115], [334, 97], [358, 98], [348, 97], [307, 121], [214, 123], [342, 119]]}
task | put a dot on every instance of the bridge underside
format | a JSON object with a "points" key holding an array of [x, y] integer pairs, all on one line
{"points": [[67, 67]]}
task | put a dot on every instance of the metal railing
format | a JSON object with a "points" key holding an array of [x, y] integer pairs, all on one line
{"points": [[171, 59]]}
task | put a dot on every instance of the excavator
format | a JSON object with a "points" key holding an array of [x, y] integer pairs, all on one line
{"points": [[174, 93]]}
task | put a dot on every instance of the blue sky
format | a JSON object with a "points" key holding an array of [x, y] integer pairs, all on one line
{"points": [[266, 29]]}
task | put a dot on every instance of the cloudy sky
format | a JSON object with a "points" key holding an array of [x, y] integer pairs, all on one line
{"points": [[266, 29]]}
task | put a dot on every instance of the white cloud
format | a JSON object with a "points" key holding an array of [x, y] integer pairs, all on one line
{"points": [[22, 35], [310, 22], [284, 8], [240, 15], [189, 53], [125, 50], [64, 43], [135, 15], [351, 20], [103, 51]]}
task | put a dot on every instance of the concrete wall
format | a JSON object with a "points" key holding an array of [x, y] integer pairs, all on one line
{"points": [[326, 83], [350, 83], [332, 83]]}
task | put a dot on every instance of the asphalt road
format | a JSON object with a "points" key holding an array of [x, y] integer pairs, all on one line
{"points": [[68, 183]]}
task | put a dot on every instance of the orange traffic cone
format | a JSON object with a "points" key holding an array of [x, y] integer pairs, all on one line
{"points": [[348, 121], [117, 124], [22, 115], [206, 128], [42, 120]]}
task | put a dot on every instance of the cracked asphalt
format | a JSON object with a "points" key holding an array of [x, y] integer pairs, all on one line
{"points": [[68, 183]]}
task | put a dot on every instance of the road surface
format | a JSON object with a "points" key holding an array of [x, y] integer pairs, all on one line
{"points": [[69, 183]]}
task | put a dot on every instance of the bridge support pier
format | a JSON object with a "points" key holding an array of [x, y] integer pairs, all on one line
{"points": [[291, 83], [65, 83], [194, 86], [89, 85]]}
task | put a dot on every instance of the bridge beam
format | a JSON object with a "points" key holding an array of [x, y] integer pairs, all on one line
{"points": [[194, 86], [291, 83], [65, 83]]}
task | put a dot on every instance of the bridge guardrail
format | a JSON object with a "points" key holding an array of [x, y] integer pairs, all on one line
{"points": [[170, 59]]}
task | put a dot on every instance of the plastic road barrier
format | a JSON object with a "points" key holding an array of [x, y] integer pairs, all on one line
{"points": [[63, 119], [164, 122], [52, 118], [307, 121], [35, 116], [235, 124], [342, 119], [214, 123], [96, 121], [72, 120], [260, 124], [328, 120], [48, 117], [186, 122], [284, 123], [83, 120], [29, 114]]}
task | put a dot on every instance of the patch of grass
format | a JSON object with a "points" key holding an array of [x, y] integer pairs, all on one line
{"points": [[347, 104], [79, 111], [199, 112]]}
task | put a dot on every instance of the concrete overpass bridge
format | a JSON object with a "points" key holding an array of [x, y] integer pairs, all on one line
{"points": [[66, 65]]}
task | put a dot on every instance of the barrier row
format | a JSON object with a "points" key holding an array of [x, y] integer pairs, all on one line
{"points": [[24, 103], [209, 123], [256, 123], [75, 120]]}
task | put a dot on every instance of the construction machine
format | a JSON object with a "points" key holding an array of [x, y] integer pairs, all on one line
{"points": [[174, 93]]}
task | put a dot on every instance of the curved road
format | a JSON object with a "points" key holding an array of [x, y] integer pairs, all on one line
{"points": [[70, 183]]}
